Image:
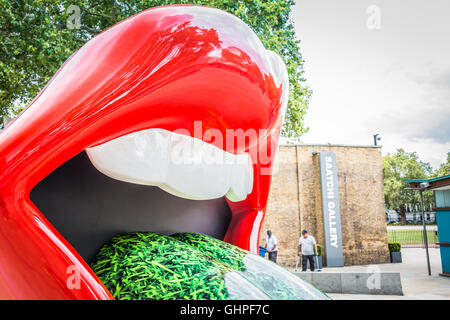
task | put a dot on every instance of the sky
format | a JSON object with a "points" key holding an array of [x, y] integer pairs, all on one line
{"points": [[378, 67]]}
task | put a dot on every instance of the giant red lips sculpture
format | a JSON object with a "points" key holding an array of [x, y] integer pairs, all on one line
{"points": [[184, 98]]}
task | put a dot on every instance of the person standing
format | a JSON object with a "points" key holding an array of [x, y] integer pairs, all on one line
{"points": [[272, 246], [307, 247]]}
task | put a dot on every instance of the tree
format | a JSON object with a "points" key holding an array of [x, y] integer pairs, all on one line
{"points": [[444, 169], [35, 41], [402, 166]]}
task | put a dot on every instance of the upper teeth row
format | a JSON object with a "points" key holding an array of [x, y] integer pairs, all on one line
{"points": [[179, 164]]}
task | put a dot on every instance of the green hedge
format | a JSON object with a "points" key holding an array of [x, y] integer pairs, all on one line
{"points": [[394, 246]]}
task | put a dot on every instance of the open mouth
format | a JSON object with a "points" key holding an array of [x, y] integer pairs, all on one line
{"points": [[151, 180], [98, 155], [115, 202]]}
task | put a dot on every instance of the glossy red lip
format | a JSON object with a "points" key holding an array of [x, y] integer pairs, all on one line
{"points": [[164, 68]]}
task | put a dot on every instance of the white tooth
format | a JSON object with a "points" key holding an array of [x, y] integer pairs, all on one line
{"points": [[242, 175], [181, 165]]}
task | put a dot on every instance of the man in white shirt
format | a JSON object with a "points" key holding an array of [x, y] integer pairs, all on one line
{"points": [[307, 247], [272, 246]]}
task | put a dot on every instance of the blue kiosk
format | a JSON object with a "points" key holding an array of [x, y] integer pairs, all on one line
{"points": [[441, 189]]}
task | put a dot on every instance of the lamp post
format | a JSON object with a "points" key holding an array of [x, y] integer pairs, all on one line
{"points": [[376, 137], [424, 186]]}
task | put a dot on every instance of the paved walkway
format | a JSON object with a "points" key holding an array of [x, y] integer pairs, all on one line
{"points": [[416, 282]]}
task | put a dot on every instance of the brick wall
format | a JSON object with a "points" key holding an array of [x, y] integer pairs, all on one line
{"points": [[295, 203]]}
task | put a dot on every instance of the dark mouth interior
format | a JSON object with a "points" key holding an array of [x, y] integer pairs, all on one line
{"points": [[89, 208]]}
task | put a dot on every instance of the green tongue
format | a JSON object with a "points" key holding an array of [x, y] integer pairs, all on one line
{"points": [[190, 266], [146, 266]]}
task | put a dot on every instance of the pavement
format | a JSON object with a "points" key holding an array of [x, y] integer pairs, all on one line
{"points": [[416, 283]]}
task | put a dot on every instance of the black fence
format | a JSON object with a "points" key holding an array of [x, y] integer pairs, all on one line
{"points": [[413, 238]]}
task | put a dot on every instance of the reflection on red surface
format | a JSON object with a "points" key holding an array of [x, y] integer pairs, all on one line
{"points": [[163, 68]]}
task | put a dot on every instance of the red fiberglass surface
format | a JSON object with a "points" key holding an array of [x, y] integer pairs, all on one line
{"points": [[163, 68]]}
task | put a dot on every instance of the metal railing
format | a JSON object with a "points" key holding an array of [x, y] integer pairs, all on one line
{"points": [[413, 238]]}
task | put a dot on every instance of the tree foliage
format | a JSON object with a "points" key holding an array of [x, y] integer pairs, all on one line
{"points": [[402, 166], [444, 169], [35, 41]]}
